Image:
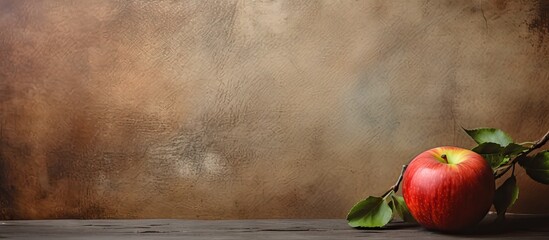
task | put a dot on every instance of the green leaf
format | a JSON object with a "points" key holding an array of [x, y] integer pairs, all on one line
{"points": [[493, 135], [514, 149], [537, 167], [492, 153], [506, 195], [371, 212], [539, 175], [495, 160], [488, 148], [496, 155], [539, 161], [399, 206]]}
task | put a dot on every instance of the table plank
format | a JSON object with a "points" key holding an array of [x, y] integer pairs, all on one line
{"points": [[517, 226]]}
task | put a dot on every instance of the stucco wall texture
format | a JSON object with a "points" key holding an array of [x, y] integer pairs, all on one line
{"points": [[253, 109]]}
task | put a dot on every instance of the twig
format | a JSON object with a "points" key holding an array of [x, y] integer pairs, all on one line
{"points": [[537, 144], [394, 188]]}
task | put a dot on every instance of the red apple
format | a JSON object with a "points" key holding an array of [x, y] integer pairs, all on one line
{"points": [[448, 188]]}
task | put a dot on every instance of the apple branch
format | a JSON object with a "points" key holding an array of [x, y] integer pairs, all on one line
{"points": [[394, 188], [537, 144]]}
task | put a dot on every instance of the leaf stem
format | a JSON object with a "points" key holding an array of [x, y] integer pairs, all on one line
{"points": [[394, 188], [537, 144], [529, 143]]}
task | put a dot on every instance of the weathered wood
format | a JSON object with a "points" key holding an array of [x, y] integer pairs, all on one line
{"points": [[517, 226]]}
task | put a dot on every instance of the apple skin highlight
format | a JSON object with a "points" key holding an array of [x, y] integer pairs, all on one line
{"points": [[448, 188]]}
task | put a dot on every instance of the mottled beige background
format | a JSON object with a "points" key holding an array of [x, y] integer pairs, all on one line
{"points": [[253, 109]]}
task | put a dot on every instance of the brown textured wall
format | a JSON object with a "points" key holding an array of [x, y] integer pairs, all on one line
{"points": [[253, 109]]}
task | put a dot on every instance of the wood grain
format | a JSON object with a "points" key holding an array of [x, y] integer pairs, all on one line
{"points": [[517, 227]]}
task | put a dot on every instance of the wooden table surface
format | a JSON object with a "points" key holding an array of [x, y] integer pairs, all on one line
{"points": [[516, 227]]}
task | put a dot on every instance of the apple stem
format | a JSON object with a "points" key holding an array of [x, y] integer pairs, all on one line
{"points": [[444, 157], [394, 188]]}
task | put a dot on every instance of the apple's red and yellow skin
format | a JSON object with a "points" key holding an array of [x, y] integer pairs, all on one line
{"points": [[448, 188]]}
